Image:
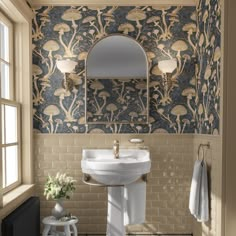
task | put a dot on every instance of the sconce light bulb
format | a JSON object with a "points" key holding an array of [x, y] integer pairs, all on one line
{"points": [[66, 66], [167, 66]]}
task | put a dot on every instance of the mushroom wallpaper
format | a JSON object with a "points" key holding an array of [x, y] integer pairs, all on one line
{"points": [[122, 100], [207, 72], [186, 101]]}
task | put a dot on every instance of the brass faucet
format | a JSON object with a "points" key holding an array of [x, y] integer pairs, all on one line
{"points": [[116, 149]]}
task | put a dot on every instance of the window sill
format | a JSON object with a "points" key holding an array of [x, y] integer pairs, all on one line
{"points": [[16, 197]]}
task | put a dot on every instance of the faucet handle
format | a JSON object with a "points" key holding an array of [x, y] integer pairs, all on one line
{"points": [[116, 149], [116, 141]]}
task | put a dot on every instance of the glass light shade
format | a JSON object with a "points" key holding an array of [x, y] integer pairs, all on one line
{"points": [[167, 66], [66, 66]]}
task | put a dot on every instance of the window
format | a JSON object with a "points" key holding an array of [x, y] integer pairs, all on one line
{"points": [[9, 110]]}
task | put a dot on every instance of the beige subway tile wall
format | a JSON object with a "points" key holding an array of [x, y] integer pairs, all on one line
{"points": [[167, 188]]}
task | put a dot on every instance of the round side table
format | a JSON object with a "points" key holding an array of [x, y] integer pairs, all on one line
{"points": [[50, 224]]}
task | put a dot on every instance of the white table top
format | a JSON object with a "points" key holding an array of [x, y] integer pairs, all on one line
{"points": [[51, 220]]}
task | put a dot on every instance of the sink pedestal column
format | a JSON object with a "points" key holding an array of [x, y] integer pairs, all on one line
{"points": [[115, 212]]}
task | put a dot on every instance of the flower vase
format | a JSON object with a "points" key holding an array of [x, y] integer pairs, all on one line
{"points": [[58, 211]]}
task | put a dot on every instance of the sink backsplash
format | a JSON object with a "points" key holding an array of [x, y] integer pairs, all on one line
{"points": [[160, 29]]}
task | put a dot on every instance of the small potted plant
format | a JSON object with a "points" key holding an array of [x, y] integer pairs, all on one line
{"points": [[58, 188]]}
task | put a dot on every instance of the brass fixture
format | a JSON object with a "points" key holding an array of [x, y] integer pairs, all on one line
{"points": [[87, 179], [116, 149], [201, 146]]}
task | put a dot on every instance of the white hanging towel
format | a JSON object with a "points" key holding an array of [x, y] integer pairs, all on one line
{"points": [[195, 188], [204, 200], [134, 203], [198, 199]]}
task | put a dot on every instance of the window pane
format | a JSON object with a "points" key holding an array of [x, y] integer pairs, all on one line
{"points": [[3, 167], [3, 124], [11, 165], [5, 78], [4, 42], [11, 124]]}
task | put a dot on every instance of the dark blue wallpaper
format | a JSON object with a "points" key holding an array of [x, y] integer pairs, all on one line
{"points": [[208, 68], [179, 103]]}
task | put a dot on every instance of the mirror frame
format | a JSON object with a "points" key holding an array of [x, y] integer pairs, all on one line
{"points": [[147, 77]]}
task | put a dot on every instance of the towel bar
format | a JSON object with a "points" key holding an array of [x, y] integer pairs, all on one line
{"points": [[86, 179], [207, 145]]}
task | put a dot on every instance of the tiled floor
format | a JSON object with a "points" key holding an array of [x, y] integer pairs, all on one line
{"points": [[147, 234]]}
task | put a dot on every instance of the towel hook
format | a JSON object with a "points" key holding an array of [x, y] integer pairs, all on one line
{"points": [[201, 146]]}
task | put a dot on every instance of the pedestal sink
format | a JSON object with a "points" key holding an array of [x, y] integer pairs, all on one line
{"points": [[101, 166]]}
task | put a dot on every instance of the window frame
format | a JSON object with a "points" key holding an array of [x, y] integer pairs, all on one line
{"points": [[21, 14], [10, 102], [10, 26]]}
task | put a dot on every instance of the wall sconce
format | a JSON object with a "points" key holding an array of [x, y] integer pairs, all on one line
{"points": [[66, 66], [167, 66]]}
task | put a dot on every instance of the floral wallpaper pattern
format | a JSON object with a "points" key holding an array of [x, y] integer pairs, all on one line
{"points": [[207, 72], [179, 103]]}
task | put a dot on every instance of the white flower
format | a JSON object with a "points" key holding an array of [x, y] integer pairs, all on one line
{"points": [[60, 186]]}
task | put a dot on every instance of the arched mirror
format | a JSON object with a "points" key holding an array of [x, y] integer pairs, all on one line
{"points": [[117, 82]]}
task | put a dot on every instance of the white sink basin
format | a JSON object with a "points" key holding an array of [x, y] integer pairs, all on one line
{"points": [[101, 165]]}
